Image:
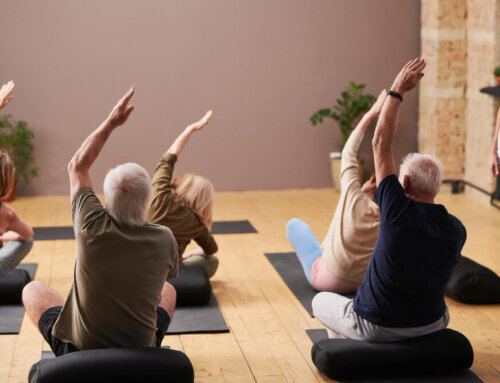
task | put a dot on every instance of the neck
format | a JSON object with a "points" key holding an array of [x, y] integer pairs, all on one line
{"points": [[422, 197]]}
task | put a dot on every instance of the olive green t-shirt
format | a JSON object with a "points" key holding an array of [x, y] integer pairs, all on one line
{"points": [[167, 210], [120, 271]]}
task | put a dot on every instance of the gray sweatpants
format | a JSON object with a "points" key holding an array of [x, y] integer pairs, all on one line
{"points": [[12, 253], [336, 313]]}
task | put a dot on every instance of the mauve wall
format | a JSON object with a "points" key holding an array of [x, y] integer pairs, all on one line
{"points": [[263, 66]]}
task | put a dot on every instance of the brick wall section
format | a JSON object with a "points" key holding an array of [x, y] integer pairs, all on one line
{"points": [[442, 103], [482, 24], [456, 122]]}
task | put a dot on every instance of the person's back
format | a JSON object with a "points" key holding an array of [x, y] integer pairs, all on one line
{"points": [[119, 296], [416, 251], [119, 275]]}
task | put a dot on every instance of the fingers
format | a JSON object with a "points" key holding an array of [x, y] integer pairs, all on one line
{"points": [[126, 98], [207, 116], [129, 110]]}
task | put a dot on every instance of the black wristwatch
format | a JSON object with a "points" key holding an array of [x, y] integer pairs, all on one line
{"points": [[393, 93]]}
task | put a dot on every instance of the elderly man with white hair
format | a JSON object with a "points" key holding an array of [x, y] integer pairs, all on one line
{"points": [[419, 243], [119, 297]]}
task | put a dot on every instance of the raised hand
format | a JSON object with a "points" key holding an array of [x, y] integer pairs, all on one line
{"points": [[198, 125], [409, 76], [5, 93], [122, 110], [377, 106]]}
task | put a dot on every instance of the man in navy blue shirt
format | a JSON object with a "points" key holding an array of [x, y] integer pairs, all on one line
{"points": [[419, 243]]}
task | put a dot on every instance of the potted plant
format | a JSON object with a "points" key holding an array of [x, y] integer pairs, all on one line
{"points": [[496, 73], [351, 104], [16, 138]]}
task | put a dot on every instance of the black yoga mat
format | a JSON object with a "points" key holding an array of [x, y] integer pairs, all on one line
{"points": [[232, 227], [317, 334], [11, 316], [218, 227], [198, 319], [464, 376], [290, 270]]}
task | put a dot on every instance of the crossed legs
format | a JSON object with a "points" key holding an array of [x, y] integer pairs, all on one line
{"points": [[38, 297]]}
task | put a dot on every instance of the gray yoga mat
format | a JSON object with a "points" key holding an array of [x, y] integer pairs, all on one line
{"points": [[11, 316], [290, 270], [464, 376], [218, 227], [198, 319]]}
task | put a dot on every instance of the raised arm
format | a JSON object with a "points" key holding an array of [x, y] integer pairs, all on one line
{"points": [[78, 167], [5, 93], [350, 151], [383, 139], [183, 138], [495, 166]]}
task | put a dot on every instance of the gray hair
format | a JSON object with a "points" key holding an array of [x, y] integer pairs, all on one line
{"points": [[425, 172], [127, 189]]}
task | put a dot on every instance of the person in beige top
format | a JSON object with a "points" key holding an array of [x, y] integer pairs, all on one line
{"points": [[339, 264], [119, 297], [184, 204]]}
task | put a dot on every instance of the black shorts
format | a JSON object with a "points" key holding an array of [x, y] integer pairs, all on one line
{"points": [[49, 317]]}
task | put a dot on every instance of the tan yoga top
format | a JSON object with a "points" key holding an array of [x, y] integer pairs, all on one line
{"points": [[349, 243], [120, 271], [167, 210]]}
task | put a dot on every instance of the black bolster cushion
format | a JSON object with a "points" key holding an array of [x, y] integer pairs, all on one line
{"points": [[444, 351], [471, 282], [115, 365], [192, 286], [12, 283]]}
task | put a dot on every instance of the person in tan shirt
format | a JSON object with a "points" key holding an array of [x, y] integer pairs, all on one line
{"points": [[119, 297], [184, 204], [339, 264]]}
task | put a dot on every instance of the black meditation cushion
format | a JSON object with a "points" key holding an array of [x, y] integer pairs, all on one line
{"points": [[115, 365], [444, 351], [471, 282], [12, 283], [192, 286]]}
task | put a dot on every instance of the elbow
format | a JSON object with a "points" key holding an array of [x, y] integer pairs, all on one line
{"points": [[29, 233], [380, 145], [74, 166]]}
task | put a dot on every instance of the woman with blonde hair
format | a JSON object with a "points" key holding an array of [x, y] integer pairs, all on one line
{"points": [[184, 204], [13, 230]]}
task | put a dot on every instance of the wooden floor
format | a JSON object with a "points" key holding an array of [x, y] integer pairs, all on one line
{"points": [[267, 342]]}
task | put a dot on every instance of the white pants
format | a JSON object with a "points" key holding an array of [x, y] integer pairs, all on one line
{"points": [[336, 313]]}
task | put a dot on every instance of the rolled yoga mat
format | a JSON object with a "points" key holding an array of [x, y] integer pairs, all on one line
{"points": [[416, 360], [66, 232], [11, 316]]}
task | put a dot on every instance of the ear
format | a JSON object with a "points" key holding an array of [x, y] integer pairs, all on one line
{"points": [[406, 184]]}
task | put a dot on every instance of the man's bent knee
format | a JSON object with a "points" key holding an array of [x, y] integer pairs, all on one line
{"points": [[168, 299]]}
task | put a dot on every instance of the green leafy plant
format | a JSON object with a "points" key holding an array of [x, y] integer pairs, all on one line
{"points": [[349, 106], [496, 71], [16, 137]]}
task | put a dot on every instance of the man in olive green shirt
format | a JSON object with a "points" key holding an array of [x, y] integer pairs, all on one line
{"points": [[119, 297]]}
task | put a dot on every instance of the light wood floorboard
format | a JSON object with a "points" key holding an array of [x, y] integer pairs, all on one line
{"points": [[267, 342]]}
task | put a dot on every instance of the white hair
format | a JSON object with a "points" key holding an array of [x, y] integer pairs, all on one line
{"points": [[127, 189], [425, 172]]}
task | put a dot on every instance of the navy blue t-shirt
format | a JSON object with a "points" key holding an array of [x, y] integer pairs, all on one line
{"points": [[417, 248]]}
